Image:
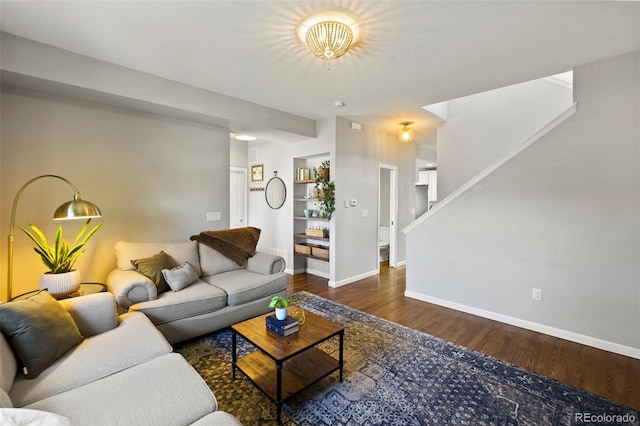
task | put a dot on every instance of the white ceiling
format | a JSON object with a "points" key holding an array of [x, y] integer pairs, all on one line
{"points": [[410, 53]]}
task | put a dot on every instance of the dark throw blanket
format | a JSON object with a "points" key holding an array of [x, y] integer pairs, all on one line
{"points": [[237, 244]]}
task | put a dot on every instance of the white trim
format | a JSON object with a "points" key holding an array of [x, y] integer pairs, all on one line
{"points": [[393, 213], [530, 325], [336, 284], [245, 190], [317, 273], [493, 167], [401, 264], [290, 271]]}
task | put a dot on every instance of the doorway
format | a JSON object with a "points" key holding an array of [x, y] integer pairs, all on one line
{"points": [[387, 214], [237, 197]]}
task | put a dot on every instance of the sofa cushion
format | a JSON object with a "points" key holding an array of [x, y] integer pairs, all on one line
{"points": [[134, 341], [152, 267], [180, 252], [198, 298], [8, 365], [244, 286], [39, 330], [180, 277], [213, 262], [5, 400], [164, 391]]}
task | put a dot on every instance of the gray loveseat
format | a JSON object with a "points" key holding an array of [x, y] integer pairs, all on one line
{"points": [[224, 293], [123, 372]]}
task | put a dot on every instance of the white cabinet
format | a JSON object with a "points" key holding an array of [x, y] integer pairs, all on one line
{"points": [[430, 178]]}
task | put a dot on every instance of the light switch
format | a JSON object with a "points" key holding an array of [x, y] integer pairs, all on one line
{"points": [[214, 216], [346, 203], [365, 213]]}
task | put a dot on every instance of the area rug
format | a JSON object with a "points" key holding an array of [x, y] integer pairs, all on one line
{"points": [[394, 375]]}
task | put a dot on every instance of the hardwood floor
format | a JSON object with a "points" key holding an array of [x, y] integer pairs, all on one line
{"points": [[610, 375]]}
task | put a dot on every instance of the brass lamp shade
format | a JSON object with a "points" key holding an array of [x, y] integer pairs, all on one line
{"points": [[76, 209]]}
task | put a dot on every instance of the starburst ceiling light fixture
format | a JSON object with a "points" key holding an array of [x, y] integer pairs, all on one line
{"points": [[329, 35], [406, 133], [329, 40]]}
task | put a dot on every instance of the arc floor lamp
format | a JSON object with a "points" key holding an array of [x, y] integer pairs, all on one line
{"points": [[74, 209]]}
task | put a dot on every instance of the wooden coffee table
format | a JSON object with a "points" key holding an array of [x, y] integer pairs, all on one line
{"points": [[283, 366]]}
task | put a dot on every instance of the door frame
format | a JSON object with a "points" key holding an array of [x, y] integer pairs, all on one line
{"points": [[393, 213], [245, 189]]}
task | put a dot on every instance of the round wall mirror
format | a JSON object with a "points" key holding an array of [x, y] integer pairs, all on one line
{"points": [[275, 193]]}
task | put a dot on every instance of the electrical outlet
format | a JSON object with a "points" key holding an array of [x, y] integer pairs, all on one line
{"points": [[536, 294]]}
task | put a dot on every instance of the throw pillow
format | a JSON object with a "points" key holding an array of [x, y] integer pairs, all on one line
{"points": [[39, 330], [151, 267], [180, 276]]}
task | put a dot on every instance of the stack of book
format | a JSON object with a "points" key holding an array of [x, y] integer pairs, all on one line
{"points": [[284, 327]]}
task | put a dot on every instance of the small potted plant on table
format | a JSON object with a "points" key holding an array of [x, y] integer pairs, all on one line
{"points": [[281, 304]]}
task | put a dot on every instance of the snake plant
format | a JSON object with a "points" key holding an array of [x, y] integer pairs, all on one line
{"points": [[60, 257]]}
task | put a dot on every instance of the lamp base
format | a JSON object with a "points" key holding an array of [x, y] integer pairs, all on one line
{"points": [[60, 284]]}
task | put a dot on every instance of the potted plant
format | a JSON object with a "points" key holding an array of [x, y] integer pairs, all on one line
{"points": [[326, 190], [60, 258], [281, 304]]}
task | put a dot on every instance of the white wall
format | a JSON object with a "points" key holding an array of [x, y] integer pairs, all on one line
{"points": [[239, 154], [154, 178], [277, 225], [561, 216], [481, 128]]}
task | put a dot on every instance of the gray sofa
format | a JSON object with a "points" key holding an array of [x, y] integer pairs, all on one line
{"points": [[122, 373], [225, 293]]}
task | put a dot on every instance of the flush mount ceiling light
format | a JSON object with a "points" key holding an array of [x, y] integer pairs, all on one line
{"points": [[329, 39], [239, 137], [406, 133], [329, 34]]}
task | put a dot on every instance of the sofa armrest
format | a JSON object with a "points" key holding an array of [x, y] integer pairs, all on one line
{"points": [[130, 287], [93, 313], [266, 263]]}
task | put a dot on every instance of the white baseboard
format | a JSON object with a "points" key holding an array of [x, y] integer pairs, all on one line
{"points": [[292, 272], [529, 325], [336, 284], [401, 264], [318, 273]]}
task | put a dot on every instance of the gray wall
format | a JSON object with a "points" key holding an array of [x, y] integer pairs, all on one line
{"points": [[561, 216], [358, 156], [154, 178], [481, 128]]}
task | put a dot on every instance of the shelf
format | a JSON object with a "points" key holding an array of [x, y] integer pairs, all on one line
{"points": [[305, 181], [312, 200], [311, 218], [298, 373], [310, 237], [326, 259]]}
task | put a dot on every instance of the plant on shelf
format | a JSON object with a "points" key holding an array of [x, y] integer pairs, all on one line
{"points": [[326, 190], [280, 304], [60, 257]]}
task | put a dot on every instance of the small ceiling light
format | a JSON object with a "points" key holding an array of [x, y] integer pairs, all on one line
{"points": [[329, 40], [406, 134], [244, 137], [338, 104]]}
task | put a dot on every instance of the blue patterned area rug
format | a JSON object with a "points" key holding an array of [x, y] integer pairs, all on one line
{"points": [[394, 375]]}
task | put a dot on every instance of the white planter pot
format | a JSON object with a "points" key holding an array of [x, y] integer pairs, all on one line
{"points": [[281, 313], [60, 284]]}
